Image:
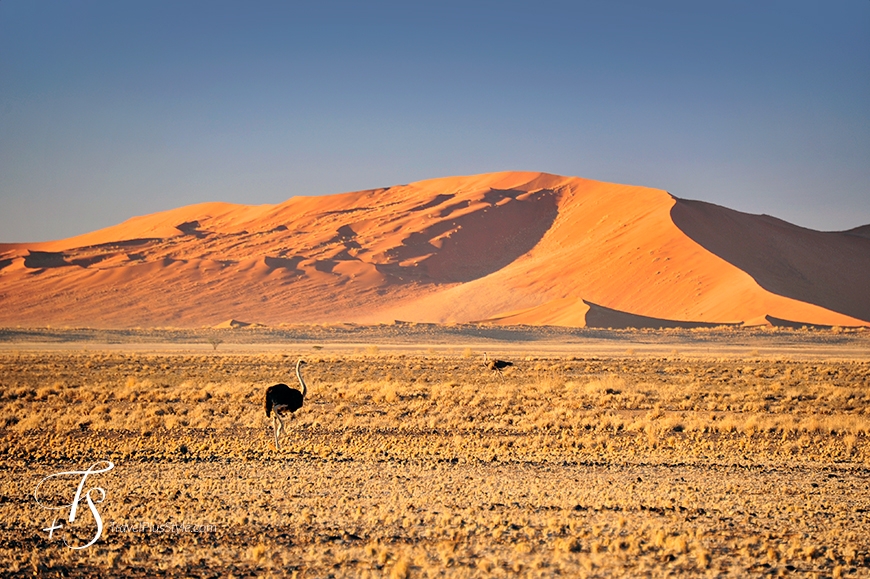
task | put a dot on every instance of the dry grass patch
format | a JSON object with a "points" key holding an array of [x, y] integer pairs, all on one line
{"points": [[429, 465]]}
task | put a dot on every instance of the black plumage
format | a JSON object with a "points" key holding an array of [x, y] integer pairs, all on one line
{"points": [[496, 365], [280, 399]]}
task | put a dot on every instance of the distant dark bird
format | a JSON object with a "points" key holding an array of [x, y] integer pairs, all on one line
{"points": [[280, 398], [496, 365]]}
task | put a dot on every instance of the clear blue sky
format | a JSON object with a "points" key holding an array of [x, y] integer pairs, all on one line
{"points": [[112, 109]]}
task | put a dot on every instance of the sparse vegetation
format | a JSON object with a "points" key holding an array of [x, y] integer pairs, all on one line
{"points": [[423, 465]]}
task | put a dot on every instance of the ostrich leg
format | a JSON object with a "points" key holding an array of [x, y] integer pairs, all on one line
{"points": [[277, 426]]}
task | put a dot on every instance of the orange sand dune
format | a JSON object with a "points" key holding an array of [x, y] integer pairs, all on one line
{"points": [[512, 247]]}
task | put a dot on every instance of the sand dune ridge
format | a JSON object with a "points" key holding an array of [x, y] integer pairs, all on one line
{"points": [[511, 247]]}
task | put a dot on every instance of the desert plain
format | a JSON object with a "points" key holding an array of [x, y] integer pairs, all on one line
{"points": [[689, 392], [715, 452]]}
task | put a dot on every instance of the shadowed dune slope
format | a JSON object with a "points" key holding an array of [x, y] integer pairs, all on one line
{"points": [[829, 269], [512, 247]]}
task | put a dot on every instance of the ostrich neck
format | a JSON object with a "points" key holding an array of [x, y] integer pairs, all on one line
{"points": [[301, 381]]}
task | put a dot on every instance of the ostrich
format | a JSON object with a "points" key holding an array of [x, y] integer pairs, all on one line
{"points": [[496, 365], [281, 398]]}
